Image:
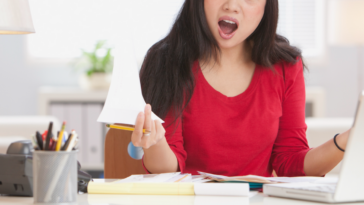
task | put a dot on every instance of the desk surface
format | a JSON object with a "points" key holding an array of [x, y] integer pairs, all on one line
{"points": [[97, 199]]}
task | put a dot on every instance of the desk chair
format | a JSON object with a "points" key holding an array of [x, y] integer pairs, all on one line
{"points": [[118, 163]]}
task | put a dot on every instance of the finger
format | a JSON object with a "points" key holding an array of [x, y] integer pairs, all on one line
{"points": [[148, 117], [138, 131], [154, 128], [149, 140], [160, 129], [158, 132], [145, 141], [155, 133]]}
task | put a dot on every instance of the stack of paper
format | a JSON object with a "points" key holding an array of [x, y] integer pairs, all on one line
{"points": [[166, 184], [258, 181]]}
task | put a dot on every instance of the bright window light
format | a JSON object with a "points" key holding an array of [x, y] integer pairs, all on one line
{"points": [[302, 22], [63, 27]]}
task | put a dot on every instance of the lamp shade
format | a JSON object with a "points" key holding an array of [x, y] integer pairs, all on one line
{"points": [[346, 22], [15, 17]]}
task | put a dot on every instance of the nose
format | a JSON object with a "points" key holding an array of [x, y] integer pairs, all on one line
{"points": [[231, 6]]}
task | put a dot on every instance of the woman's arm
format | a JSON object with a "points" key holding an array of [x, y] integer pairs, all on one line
{"points": [[158, 156], [291, 155], [322, 159]]}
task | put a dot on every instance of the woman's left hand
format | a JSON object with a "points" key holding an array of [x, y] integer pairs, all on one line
{"points": [[322, 159]]}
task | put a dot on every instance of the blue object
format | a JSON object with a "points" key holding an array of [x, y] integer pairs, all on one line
{"points": [[135, 152], [65, 137], [101, 176]]}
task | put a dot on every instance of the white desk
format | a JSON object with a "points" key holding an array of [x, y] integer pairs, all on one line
{"points": [[98, 199]]}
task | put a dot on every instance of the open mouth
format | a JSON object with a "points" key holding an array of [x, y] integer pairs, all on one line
{"points": [[227, 26]]}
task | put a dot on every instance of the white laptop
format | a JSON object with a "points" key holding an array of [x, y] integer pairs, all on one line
{"points": [[350, 185]]}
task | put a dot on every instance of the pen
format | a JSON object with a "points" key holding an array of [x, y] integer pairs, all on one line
{"points": [[75, 145], [34, 142], [49, 135], [44, 137], [53, 145], [39, 140], [72, 141], [119, 127], [64, 148], [65, 138], [60, 137]]}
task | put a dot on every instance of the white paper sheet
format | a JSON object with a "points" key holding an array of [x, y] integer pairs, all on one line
{"points": [[181, 178], [222, 189], [143, 23], [149, 178], [241, 178], [294, 179], [124, 100]]}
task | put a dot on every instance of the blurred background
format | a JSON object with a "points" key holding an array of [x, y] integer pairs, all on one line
{"points": [[62, 71]]}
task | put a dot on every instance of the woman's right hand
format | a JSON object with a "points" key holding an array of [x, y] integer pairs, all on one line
{"points": [[144, 121]]}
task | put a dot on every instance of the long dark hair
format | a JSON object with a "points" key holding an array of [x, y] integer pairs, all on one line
{"points": [[167, 79]]}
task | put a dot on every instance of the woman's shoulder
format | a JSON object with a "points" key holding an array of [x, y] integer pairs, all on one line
{"points": [[290, 70]]}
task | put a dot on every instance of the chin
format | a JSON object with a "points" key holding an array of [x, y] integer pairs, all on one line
{"points": [[227, 44]]}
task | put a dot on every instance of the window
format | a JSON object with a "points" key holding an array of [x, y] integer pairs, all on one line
{"points": [[302, 22], [63, 27]]}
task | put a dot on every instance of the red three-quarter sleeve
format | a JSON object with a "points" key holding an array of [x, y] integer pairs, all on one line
{"points": [[175, 139], [290, 146]]}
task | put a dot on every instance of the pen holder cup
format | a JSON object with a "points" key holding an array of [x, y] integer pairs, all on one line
{"points": [[55, 177]]}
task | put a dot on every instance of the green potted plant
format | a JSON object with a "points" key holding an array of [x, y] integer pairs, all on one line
{"points": [[97, 66]]}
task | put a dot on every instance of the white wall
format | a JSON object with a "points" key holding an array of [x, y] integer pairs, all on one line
{"points": [[339, 77], [20, 80]]}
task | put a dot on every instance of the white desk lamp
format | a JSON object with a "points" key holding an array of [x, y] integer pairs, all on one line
{"points": [[15, 17], [346, 27]]}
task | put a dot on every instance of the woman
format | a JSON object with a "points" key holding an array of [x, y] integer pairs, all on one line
{"points": [[232, 94]]}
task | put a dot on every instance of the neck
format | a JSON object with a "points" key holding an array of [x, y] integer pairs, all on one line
{"points": [[230, 58]]}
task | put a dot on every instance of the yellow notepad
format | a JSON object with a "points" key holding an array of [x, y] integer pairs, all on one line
{"points": [[141, 188]]}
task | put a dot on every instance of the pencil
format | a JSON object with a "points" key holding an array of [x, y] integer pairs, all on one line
{"points": [[119, 127], [60, 137], [182, 178]]}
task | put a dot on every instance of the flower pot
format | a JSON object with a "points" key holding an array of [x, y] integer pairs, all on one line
{"points": [[95, 81]]}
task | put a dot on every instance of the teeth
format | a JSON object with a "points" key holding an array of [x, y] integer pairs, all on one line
{"points": [[231, 22]]}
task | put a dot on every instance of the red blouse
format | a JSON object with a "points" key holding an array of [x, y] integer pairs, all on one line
{"points": [[254, 132]]}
